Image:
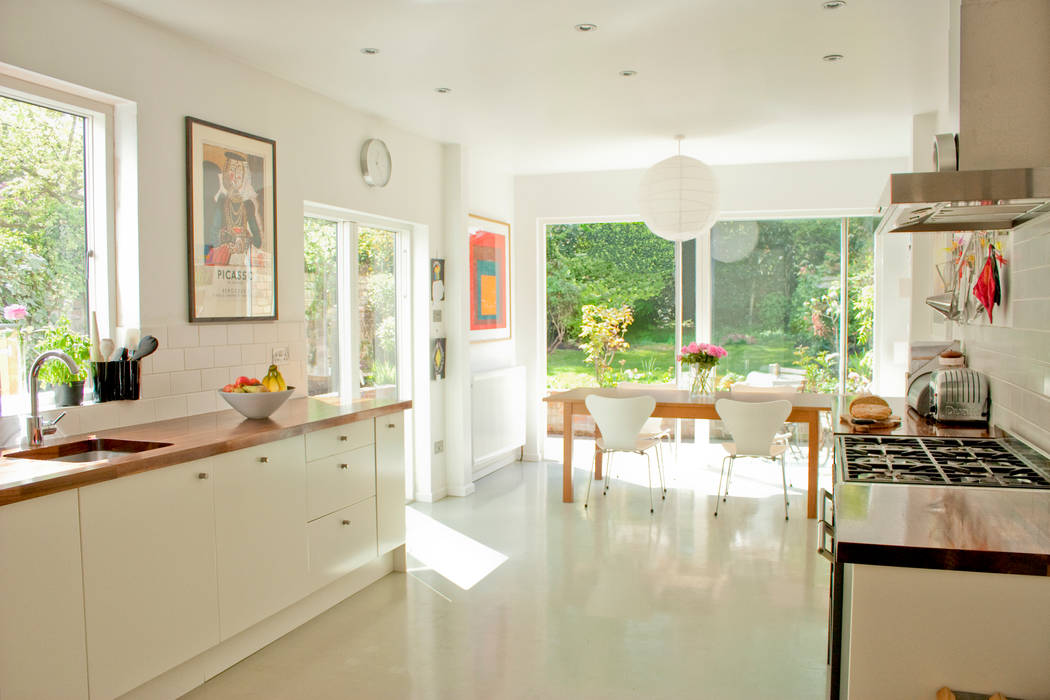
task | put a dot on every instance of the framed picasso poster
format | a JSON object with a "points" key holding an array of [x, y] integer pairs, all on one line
{"points": [[232, 214], [489, 278]]}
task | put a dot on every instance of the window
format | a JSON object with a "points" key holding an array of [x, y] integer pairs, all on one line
{"points": [[55, 223], [355, 311]]}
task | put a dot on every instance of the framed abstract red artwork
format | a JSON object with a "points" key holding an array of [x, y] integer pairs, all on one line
{"points": [[489, 279]]}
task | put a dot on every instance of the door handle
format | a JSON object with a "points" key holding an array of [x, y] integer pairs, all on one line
{"points": [[822, 535]]}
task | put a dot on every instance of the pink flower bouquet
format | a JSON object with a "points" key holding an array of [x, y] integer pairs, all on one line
{"points": [[703, 355]]}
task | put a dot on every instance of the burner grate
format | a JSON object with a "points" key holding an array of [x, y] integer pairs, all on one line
{"points": [[944, 461]]}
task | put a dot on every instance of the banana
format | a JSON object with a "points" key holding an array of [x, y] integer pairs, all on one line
{"points": [[273, 381]]}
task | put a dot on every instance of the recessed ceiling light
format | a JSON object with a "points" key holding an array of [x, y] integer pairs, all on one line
{"points": [[443, 90], [628, 73], [834, 4], [834, 57], [586, 27], [369, 51]]}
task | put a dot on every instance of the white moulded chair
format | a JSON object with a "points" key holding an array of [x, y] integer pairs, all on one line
{"points": [[620, 421], [754, 427], [653, 427]]}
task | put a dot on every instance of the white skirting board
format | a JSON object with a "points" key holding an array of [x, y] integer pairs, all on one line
{"points": [[497, 427]]}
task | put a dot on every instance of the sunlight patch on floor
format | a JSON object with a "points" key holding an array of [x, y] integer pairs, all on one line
{"points": [[451, 554]]}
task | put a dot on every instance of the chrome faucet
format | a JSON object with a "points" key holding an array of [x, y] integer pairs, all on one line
{"points": [[36, 428]]}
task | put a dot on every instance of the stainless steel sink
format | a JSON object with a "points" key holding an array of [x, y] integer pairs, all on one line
{"points": [[94, 450]]}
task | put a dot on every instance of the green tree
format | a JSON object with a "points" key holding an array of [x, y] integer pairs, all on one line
{"points": [[602, 336], [43, 249]]}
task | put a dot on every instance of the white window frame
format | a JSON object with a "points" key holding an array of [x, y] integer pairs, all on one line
{"points": [[99, 186]]}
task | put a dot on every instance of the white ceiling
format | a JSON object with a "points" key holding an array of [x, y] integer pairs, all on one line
{"points": [[743, 80]]}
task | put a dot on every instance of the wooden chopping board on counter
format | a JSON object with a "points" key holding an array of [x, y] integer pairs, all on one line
{"points": [[861, 425]]}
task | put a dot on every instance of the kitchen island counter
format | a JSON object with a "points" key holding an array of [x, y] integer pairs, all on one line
{"points": [[191, 438], [995, 530]]}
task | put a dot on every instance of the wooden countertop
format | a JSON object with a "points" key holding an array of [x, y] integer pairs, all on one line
{"points": [[192, 438], [962, 528]]}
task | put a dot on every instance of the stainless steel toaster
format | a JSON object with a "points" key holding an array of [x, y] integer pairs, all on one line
{"points": [[958, 395]]}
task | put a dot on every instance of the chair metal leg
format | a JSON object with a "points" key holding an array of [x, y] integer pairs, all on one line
{"points": [[660, 469], [650, 461], [594, 462], [783, 480], [608, 472], [718, 491], [729, 475]]}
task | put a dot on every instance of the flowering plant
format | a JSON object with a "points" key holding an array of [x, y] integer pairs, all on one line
{"points": [[703, 355], [15, 312]]}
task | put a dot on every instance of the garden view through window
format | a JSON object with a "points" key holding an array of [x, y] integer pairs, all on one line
{"points": [[43, 239], [774, 300]]}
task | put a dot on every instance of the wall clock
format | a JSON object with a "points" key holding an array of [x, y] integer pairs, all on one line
{"points": [[375, 163]]}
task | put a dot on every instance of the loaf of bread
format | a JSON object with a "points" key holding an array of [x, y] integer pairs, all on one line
{"points": [[872, 411]]}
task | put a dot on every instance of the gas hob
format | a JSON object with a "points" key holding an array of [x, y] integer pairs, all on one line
{"points": [[989, 462]]}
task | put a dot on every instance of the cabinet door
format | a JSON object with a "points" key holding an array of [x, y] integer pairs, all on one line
{"points": [[149, 574], [260, 522], [340, 480], [390, 481], [342, 541], [41, 600]]}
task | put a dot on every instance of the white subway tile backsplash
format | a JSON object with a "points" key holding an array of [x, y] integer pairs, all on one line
{"points": [[200, 358], [202, 402], [227, 355], [240, 333], [183, 336], [158, 332], [253, 354], [265, 332], [166, 360], [170, 407], [135, 412], [217, 378], [213, 334], [188, 382], [153, 385], [100, 417]]}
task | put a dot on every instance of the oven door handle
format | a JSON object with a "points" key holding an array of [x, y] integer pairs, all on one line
{"points": [[824, 528], [822, 536]]}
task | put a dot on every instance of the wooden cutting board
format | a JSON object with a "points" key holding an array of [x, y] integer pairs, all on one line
{"points": [[863, 427]]}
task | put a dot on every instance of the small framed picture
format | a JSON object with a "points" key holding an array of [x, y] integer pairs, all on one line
{"points": [[231, 207], [437, 358], [489, 278], [437, 279]]}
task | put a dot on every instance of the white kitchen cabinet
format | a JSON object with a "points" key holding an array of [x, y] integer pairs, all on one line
{"points": [[390, 481], [330, 441], [42, 653], [342, 541], [260, 524], [340, 480], [149, 574]]}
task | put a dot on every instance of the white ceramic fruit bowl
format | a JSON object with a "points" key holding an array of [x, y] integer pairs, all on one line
{"points": [[259, 405]]}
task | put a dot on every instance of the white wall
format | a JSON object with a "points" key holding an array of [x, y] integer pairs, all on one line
{"points": [[781, 189], [318, 141]]}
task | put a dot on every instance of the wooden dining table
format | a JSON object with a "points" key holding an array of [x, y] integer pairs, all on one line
{"points": [[677, 403]]}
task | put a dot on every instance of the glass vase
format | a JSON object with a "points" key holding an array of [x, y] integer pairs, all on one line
{"points": [[703, 381]]}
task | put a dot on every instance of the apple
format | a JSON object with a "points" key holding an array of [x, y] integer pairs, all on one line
{"points": [[229, 388]]}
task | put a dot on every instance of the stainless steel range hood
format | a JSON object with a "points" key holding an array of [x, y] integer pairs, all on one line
{"points": [[964, 200]]}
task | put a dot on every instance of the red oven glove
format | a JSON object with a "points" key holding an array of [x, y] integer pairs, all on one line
{"points": [[984, 290]]}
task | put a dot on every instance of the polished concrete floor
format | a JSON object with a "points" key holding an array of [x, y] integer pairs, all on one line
{"points": [[513, 594]]}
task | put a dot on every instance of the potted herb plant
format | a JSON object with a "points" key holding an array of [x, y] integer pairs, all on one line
{"points": [[68, 387]]}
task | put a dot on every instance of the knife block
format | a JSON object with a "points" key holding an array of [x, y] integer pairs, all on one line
{"points": [[117, 380]]}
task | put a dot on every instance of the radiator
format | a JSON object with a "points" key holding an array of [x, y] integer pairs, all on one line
{"points": [[497, 427]]}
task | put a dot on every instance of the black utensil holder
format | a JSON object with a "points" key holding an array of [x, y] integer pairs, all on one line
{"points": [[116, 381]]}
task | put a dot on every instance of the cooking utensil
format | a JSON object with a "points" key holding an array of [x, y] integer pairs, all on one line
{"points": [[147, 346], [106, 346], [94, 351]]}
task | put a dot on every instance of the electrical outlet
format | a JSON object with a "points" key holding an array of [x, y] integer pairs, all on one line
{"points": [[280, 354], [439, 446], [436, 315]]}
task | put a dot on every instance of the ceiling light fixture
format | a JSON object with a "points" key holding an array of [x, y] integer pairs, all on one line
{"points": [[678, 197], [834, 4], [628, 73], [368, 51], [443, 90], [833, 57], [586, 27]]}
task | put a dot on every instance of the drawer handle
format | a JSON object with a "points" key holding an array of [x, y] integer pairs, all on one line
{"points": [[390, 425], [344, 466], [264, 460], [343, 438], [202, 475], [346, 522]]}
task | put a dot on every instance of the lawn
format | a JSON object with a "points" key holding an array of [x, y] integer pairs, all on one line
{"points": [[650, 363]]}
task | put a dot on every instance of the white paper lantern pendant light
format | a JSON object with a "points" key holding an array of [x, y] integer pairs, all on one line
{"points": [[679, 197]]}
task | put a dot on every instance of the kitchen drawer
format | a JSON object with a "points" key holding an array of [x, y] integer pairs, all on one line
{"points": [[330, 441], [342, 541], [340, 480], [287, 452]]}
